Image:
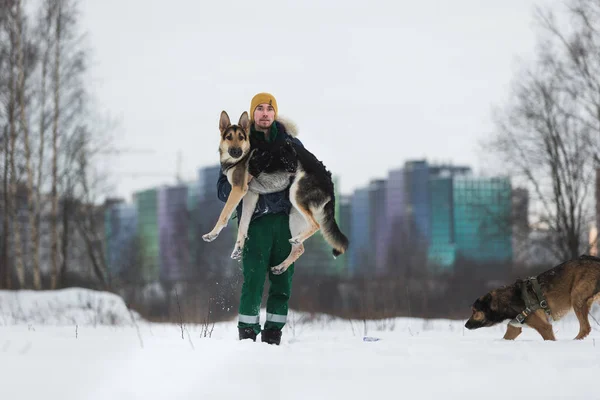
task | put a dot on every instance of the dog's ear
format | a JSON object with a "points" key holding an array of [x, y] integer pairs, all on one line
{"points": [[494, 302], [224, 122], [485, 302], [244, 121]]}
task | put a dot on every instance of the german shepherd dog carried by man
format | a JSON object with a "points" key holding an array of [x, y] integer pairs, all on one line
{"points": [[537, 301], [311, 191]]}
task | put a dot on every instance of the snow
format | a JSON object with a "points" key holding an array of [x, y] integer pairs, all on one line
{"points": [[72, 306], [108, 356]]}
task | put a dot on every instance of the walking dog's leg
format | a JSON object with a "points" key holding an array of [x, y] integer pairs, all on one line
{"points": [[248, 206], [539, 322], [512, 332], [236, 195]]}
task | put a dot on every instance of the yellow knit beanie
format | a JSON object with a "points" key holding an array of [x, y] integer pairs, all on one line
{"points": [[262, 98]]}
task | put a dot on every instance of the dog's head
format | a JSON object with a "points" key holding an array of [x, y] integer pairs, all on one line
{"points": [[485, 311], [235, 139]]}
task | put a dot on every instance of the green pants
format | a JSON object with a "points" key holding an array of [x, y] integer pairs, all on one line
{"points": [[267, 245]]}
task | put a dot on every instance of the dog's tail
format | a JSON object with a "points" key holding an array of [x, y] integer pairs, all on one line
{"points": [[331, 231]]}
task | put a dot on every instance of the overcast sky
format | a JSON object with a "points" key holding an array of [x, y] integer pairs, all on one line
{"points": [[370, 84]]}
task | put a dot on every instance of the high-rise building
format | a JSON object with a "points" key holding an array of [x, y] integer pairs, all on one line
{"points": [[471, 218], [120, 227], [146, 203], [212, 259], [482, 215], [418, 201], [207, 182], [193, 207], [173, 225], [359, 250], [377, 226], [395, 229], [344, 218], [441, 252]]}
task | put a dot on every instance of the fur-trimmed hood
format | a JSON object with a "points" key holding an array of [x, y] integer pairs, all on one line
{"points": [[290, 126]]}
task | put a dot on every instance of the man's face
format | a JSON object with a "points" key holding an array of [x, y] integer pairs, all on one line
{"points": [[264, 115]]}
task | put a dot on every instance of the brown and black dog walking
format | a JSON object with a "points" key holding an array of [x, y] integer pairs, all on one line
{"points": [[536, 302]]}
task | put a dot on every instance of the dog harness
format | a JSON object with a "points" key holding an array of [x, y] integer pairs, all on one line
{"points": [[532, 302]]}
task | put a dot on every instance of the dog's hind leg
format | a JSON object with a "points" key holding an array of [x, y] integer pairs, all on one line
{"points": [[297, 225], [302, 206], [582, 310], [582, 296], [248, 206], [297, 251], [512, 332], [313, 227]]}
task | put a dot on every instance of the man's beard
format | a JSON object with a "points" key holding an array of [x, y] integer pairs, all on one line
{"points": [[264, 124]]}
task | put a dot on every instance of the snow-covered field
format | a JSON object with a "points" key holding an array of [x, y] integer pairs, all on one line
{"points": [[78, 344]]}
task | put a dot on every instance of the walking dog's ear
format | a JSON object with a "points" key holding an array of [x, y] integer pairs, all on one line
{"points": [[224, 122], [244, 121], [494, 301]]}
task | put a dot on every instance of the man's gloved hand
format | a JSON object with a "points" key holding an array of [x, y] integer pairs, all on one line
{"points": [[259, 161], [287, 155]]}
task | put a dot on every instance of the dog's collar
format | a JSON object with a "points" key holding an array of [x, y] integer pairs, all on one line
{"points": [[532, 303]]}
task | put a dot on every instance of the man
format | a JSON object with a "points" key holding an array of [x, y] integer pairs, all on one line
{"points": [[267, 244]]}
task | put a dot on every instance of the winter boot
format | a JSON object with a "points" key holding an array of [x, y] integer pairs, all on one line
{"points": [[271, 336], [247, 333]]}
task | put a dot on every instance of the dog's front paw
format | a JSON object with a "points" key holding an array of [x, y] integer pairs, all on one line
{"points": [[278, 270], [237, 253], [209, 237]]}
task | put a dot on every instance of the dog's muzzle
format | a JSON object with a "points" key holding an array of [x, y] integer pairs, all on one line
{"points": [[473, 324], [235, 152]]}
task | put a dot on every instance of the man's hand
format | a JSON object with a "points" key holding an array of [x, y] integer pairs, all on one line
{"points": [[288, 157], [259, 162]]}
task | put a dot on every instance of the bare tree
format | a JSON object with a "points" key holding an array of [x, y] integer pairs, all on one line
{"points": [[549, 131], [68, 112], [90, 182], [22, 75], [574, 54], [58, 36], [44, 103], [12, 102], [79, 141], [4, 100], [5, 278], [45, 44]]}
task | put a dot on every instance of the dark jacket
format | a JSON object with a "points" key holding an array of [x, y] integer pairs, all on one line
{"points": [[272, 203]]}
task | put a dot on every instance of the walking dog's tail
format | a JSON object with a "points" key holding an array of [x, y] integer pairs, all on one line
{"points": [[331, 231]]}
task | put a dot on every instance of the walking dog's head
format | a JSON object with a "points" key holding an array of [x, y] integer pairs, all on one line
{"points": [[482, 313], [235, 139], [494, 307]]}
